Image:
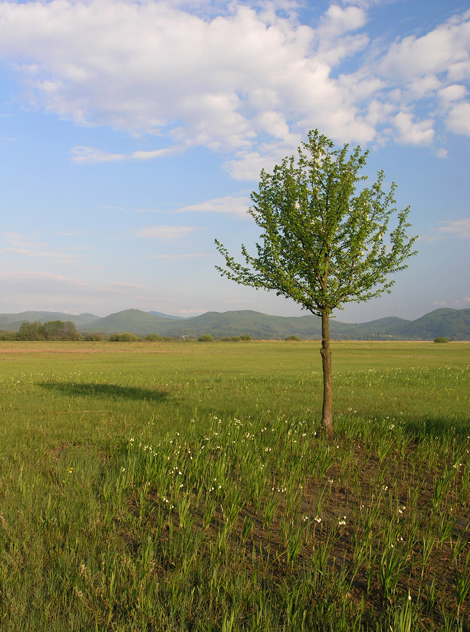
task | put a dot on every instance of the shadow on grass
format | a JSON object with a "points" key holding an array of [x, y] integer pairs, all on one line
{"points": [[105, 391], [438, 427]]}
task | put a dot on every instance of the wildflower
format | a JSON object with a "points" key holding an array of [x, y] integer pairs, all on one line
{"points": [[317, 519]]}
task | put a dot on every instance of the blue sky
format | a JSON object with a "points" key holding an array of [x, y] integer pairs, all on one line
{"points": [[132, 133]]}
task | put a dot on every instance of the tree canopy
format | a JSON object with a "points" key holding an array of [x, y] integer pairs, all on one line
{"points": [[326, 238]]}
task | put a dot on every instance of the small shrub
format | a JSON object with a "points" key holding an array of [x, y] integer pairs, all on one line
{"points": [[292, 339], [246, 337], [206, 338], [94, 337], [153, 338], [126, 336], [441, 339]]}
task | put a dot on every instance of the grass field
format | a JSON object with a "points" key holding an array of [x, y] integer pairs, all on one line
{"points": [[187, 486]]}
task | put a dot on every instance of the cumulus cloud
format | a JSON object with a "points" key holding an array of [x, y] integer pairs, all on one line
{"points": [[459, 119], [444, 50], [247, 81], [452, 93], [411, 132]]}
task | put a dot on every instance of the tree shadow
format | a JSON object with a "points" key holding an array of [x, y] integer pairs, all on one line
{"points": [[437, 427], [105, 391]]}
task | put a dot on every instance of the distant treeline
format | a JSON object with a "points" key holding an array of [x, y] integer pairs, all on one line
{"points": [[67, 331], [52, 330]]}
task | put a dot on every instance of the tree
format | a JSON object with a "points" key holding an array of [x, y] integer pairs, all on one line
{"points": [[31, 331], [53, 330], [59, 330], [325, 240]]}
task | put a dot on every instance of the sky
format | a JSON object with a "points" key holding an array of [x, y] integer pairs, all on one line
{"points": [[133, 132]]}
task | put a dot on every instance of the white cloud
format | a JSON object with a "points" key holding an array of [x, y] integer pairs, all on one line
{"points": [[442, 50], [338, 21], [163, 232], [18, 244], [247, 81], [420, 133], [92, 154], [228, 205], [333, 43], [458, 228], [452, 93], [459, 119], [462, 302]]}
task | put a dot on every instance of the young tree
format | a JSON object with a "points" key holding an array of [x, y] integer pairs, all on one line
{"points": [[325, 241]]}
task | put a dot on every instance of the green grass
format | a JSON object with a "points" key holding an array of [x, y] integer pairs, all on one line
{"points": [[187, 486]]}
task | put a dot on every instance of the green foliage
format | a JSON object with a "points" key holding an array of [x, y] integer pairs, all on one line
{"points": [[441, 339], [323, 238], [31, 331], [324, 242], [127, 336], [206, 338], [153, 338], [51, 330], [94, 337], [292, 338], [8, 335]]}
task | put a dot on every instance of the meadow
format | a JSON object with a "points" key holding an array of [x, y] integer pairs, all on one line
{"points": [[172, 486]]}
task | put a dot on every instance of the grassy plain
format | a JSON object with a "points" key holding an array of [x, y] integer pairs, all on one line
{"points": [[187, 486]]}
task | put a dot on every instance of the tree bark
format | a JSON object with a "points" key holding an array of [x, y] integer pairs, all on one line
{"points": [[327, 412]]}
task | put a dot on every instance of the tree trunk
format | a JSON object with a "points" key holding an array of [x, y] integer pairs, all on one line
{"points": [[327, 413]]}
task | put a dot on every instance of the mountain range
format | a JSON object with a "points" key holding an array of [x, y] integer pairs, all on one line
{"points": [[445, 322]]}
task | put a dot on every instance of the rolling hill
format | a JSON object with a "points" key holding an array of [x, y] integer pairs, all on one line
{"points": [[449, 323]]}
